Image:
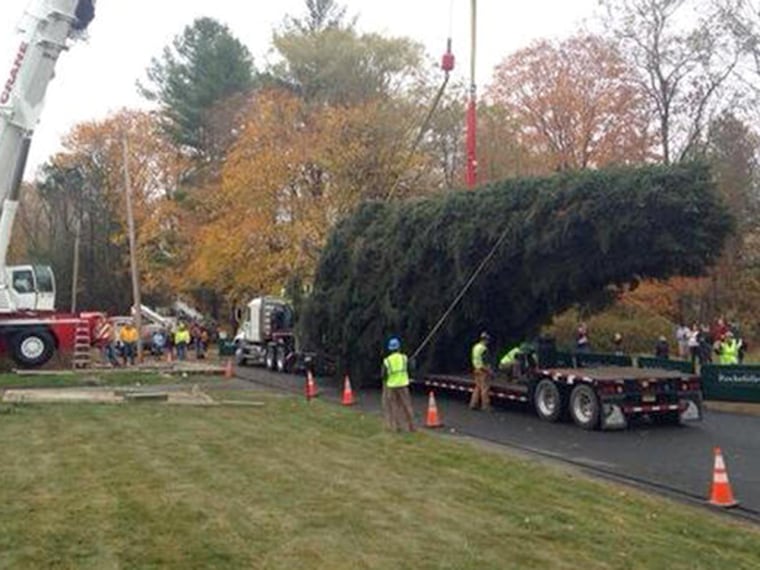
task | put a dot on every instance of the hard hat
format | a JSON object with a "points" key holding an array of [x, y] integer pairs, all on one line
{"points": [[394, 343], [485, 336]]}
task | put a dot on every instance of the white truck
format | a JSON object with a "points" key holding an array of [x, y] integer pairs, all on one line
{"points": [[266, 337], [31, 331]]}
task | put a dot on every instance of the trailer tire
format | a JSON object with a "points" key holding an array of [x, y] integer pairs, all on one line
{"points": [[584, 407], [31, 348], [269, 359], [240, 359], [547, 400]]}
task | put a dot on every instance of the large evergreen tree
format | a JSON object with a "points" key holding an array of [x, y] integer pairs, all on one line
{"points": [[203, 66], [394, 268]]}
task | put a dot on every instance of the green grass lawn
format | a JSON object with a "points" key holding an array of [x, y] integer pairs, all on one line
{"points": [[117, 378], [293, 485]]}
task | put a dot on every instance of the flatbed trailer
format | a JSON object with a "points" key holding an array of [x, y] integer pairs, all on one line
{"points": [[602, 397]]}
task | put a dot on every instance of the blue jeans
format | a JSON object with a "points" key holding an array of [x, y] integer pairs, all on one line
{"points": [[109, 351], [181, 351], [130, 351]]}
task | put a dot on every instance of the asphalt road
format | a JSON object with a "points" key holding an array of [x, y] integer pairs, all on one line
{"points": [[674, 457]]}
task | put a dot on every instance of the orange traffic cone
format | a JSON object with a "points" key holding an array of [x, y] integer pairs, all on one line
{"points": [[228, 369], [721, 494], [432, 420], [168, 356], [348, 393], [311, 386]]}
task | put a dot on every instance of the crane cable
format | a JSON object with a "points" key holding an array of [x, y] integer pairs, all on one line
{"points": [[420, 135], [447, 65], [463, 292]]}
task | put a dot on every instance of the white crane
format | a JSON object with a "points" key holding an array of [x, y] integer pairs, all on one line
{"points": [[27, 293]]}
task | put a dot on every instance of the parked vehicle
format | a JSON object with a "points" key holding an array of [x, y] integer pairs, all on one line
{"points": [[267, 338], [31, 330]]}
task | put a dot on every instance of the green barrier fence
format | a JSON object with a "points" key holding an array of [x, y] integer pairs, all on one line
{"points": [[590, 359], [733, 383], [565, 360], [665, 363]]}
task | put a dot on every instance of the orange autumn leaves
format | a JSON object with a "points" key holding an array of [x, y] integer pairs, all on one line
{"points": [[156, 169], [576, 104], [294, 171]]}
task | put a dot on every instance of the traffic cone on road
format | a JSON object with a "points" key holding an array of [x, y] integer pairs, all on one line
{"points": [[348, 393], [228, 373], [721, 494], [432, 420], [311, 386], [168, 356]]}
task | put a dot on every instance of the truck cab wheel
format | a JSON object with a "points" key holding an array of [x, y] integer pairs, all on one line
{"points": [[281, 359], [584, 407], [240, 359], [547, 400], [32, 347]]}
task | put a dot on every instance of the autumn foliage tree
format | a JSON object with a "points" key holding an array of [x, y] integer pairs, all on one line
{"points": [[294, 172], [575, 103], [85, 184]]}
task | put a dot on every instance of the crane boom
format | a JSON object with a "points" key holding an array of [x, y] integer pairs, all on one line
{"points": [[46, 30]]}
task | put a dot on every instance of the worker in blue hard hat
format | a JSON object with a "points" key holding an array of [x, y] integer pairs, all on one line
{"points": [[397, 401]]}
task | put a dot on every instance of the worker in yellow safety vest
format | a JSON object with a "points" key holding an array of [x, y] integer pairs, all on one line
{"points": [[181, 340], [481, 374], [397, 401], [728, 350], [510, 363], [517, 361]]}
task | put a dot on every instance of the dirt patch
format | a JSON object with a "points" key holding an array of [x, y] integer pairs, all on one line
{"points": [[194, 397]]}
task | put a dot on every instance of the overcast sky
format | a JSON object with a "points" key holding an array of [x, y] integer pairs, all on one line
{"points": [[98, 78]]}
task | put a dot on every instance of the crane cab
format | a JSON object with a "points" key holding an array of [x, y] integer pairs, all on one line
{"points": [[30, 288]]}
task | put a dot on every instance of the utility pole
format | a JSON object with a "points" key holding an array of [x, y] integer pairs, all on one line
{"points": [[75, 270], [472, 117], [133, 251]]}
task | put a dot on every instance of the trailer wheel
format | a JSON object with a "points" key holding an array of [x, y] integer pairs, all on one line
{"points": [[269, 359], [31, 348], [584, 407], [281, 360], [548, 401]]}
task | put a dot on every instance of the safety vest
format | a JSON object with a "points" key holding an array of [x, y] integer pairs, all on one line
{"points": [[729, 351], [182, 336], [510, 357], [478, 352], [395, 366], [129, 334]]}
